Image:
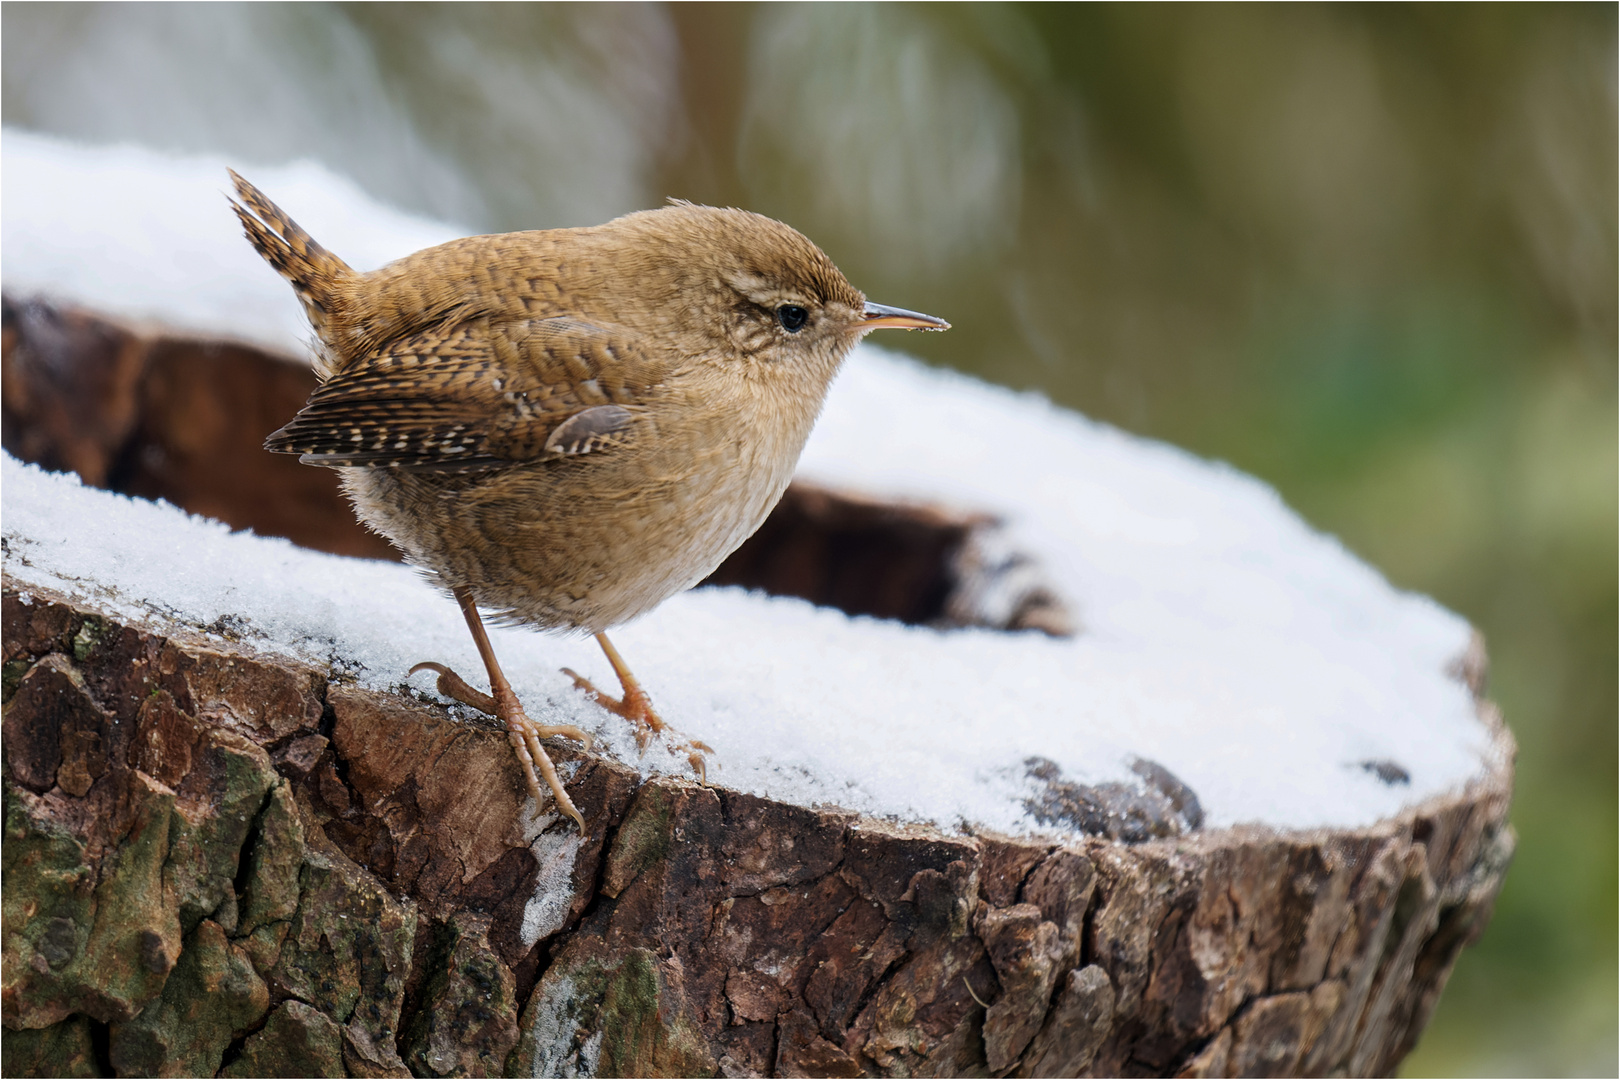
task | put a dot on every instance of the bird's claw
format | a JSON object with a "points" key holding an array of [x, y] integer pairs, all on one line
{"points": [[637, 708], [456, 688], [524, 734]]}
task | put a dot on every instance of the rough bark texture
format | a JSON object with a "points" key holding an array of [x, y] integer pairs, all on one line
{"points": [[222, 862]]}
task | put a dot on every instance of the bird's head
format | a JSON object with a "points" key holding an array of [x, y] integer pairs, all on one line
{"points": [[741, 287]]}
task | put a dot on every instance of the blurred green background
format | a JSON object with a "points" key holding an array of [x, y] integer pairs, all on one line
{"points": [[1367, 253]]}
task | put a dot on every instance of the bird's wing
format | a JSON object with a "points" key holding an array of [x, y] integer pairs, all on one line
{"points": [[478, 395]]}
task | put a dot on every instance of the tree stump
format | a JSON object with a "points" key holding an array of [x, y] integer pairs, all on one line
{"points": [[219, 861], [224, 859]]}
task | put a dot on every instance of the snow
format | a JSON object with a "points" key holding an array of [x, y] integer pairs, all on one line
{"points": [[139, 234], [547, 910], [1256, 659]]}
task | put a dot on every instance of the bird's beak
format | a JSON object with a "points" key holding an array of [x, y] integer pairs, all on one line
{"points": [[876, 317]]}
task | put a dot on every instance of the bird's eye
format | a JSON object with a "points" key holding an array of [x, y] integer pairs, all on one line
{"points": [[792, 317]]}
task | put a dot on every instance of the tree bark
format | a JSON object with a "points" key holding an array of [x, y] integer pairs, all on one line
{"points": [[219, 861]]}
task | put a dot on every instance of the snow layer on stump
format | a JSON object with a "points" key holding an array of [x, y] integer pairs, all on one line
{"points": [[141, 234], [1221, 637]]}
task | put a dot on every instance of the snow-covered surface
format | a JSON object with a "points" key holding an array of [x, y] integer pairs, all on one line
{"points": [[144, 235], [1223, 638]]}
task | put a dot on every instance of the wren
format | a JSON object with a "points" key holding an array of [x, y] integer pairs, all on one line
{"points": [[566, 427]]}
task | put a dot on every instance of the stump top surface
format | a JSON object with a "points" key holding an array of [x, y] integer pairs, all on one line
{"points": [[1277, 698], [1278, 677]]}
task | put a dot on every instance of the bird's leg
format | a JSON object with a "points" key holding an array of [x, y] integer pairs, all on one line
{"points": [[635, 706], [503, 704]]}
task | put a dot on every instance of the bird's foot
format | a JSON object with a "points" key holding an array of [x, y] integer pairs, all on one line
{"points": [[636, 707], [456, 688], [525, 735]]}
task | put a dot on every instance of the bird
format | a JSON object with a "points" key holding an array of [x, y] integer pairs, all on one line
{"points": [[566, 427]]}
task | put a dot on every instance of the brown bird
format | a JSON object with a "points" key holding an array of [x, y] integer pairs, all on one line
{"points": [[567, 427]]}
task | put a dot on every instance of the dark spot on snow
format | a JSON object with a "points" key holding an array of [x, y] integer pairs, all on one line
{"points": [[1159, 805], [1168, 784], [1387, 771]]}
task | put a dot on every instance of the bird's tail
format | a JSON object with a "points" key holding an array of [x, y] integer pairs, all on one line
{"points": [[323, 282]]}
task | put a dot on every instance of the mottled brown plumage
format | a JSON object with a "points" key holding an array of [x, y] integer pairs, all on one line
{"points": [[567, 427]]}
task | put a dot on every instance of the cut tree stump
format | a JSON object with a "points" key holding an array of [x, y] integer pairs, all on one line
{"points": [[224, 862], [221, 861]]}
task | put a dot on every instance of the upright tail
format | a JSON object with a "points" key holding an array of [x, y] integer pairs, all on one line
{"points": [[321, 280]]}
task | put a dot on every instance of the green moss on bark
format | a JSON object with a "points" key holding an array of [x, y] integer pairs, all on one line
{"points": [[212, 996]]}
